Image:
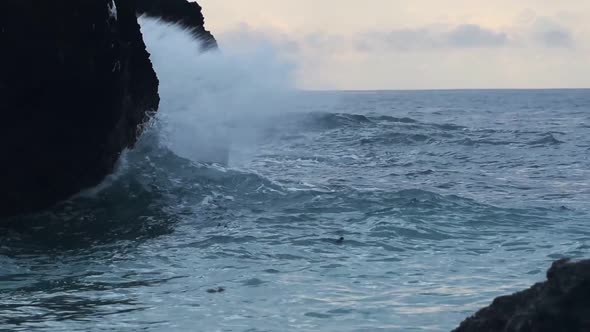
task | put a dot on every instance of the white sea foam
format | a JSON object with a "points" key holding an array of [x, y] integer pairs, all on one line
{"points": [[214, 104]]}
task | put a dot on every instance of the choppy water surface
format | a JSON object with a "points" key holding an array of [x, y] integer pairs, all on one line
{"points": [[444, 200]]}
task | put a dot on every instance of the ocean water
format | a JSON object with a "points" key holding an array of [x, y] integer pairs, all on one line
{"points": [[313, 211]]}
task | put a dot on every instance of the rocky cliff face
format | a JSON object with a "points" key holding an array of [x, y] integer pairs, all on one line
{"points": [[560, 304], [188, 14], [75, 83]]}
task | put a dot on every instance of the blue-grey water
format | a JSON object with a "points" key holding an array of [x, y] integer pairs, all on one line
{"points": [[444, 200]]}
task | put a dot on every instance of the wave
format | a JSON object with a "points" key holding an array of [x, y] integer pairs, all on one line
{"points": [[158, 191], [387, 118], [477, 142], [215, 100], [328, 121], [547, 139]]}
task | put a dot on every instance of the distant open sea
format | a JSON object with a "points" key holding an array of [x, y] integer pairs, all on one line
{"points": [[361, 211]]}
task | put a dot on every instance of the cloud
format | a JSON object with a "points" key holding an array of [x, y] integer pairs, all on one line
{"points": [[244, 36], [472, 35], [551, 34], [400, 39], [435, 36], [327, 42], [532, 33]]}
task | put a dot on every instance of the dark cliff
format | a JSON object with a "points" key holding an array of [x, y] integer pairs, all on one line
{"points": [[76, 82], [560, 304], [187, 14]]}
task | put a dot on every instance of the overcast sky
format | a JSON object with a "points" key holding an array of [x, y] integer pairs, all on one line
{"points": [[417, 44]]}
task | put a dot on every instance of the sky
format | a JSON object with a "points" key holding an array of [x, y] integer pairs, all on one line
{"points": [[417, 44]]}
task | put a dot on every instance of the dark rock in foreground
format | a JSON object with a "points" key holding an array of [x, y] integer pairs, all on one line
{"points": [[75, 83], [187, 14], [560, 304]]}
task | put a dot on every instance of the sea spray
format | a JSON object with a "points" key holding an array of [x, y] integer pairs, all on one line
{"points": [[214, 104]]}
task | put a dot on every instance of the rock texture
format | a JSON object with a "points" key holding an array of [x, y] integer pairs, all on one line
{"points": [[560, 304], [75, 83], [188, 14]]}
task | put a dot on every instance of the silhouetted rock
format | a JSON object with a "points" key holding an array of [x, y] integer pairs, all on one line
{"points": [[187, 14], [560, 304], [75, 83]]}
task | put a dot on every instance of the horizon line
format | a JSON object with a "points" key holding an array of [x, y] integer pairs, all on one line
{"points": [[444, 89]]}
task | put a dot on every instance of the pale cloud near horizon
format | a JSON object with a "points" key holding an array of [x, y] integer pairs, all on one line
{"points": [[422, 44]]}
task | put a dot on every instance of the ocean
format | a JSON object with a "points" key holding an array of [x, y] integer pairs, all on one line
{"points": [[309, 211]]}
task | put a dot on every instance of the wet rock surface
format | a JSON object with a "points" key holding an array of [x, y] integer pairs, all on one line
{"points": [[188, 14], [76, 83], [560, 304]]}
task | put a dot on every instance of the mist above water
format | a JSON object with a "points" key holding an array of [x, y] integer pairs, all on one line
{"points": [[214, 103]]}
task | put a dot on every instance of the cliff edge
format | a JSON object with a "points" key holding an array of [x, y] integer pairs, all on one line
{"points": [[76, 83], [560, 304], [183, 12]]}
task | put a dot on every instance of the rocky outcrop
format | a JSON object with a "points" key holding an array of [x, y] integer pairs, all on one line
{"points": [[560, 304], [75, 83], [183, 12]]}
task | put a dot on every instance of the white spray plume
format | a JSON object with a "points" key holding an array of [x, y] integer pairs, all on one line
{"points": [[216, 99]]}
